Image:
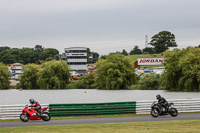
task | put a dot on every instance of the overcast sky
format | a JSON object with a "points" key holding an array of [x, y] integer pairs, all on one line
{"points": [[102, 25]]}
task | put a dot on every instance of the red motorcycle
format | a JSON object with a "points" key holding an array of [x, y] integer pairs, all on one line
{"points": [[30, 113]]}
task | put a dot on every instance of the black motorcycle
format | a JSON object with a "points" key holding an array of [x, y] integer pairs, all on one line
{"points": [[158, 110]]}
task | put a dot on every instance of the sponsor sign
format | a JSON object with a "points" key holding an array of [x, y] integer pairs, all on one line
{"points": [[150, 61]]}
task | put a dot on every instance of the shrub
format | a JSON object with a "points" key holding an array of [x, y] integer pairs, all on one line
{"points": [[87, 82], [149, 81]]}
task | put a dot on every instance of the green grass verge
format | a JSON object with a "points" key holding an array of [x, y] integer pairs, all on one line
{"points": [[183, 126]]}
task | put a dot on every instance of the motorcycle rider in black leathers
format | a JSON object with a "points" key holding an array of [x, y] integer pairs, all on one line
{"points": [[162, 102]]}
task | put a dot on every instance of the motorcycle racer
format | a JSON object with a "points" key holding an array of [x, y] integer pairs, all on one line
{"points": [[162, 101], [36, 106]]}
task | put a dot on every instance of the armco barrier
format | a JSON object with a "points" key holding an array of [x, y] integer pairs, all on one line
{"points": [[139, 107], [85, 109]]}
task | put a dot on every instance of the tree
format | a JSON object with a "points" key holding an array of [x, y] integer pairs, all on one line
{"points": [[115, 72], [28, 55], [87, 82], [6, 57], [54, 75], [4, 76], [48, 52], [135, 50], [149, 50], [92, 57], [162, 41], [198, 46], [124, 52], [149, 81], [28, 79], [4, 48], [38, 48], [182, 70], [103, 56]]}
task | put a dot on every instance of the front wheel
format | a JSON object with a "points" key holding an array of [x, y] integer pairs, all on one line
{"points": [[45, 116], [24, 117], [173, 112], [154, 113]]}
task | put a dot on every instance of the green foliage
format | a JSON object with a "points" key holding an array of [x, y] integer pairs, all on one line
{"points": [[4, 76], [27, 55], [115, 72], [182, 70], [149, 50], [87, 82], [149, 81], [103, 56], [28, 79], [54, 75], [72, 85], [48, 54], [135, 50], [162, 41], [198, 46], [124, 52], [4, 48], [92, 57]]}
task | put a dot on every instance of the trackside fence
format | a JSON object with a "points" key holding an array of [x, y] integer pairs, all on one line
{"points": [[85, 109]]}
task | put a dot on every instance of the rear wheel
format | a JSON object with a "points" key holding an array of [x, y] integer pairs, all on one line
{"points": [[45, 116], [24, 117], [154, 113], [173, 112]]}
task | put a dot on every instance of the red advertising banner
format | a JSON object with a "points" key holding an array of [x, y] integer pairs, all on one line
{"points": [[150, 61]]}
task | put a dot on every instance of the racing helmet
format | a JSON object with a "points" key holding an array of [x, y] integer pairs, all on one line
{"points": [[158, 97], [31, 100]]}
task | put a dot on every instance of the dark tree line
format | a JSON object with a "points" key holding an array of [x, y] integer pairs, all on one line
{"points": [[92, 57], [36, 55], [159, 42]]}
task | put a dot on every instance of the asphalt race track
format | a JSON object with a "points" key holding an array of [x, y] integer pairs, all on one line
{"points": [[98, 120]]}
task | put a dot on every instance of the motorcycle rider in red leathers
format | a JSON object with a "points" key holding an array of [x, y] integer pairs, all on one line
{"points": [[36, 106]]}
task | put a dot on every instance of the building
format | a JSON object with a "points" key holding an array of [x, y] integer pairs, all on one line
{"points": [[76, 58], [16, 68]]}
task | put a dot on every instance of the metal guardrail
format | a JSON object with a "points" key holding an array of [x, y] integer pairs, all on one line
{"points": [[142, 107]]}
